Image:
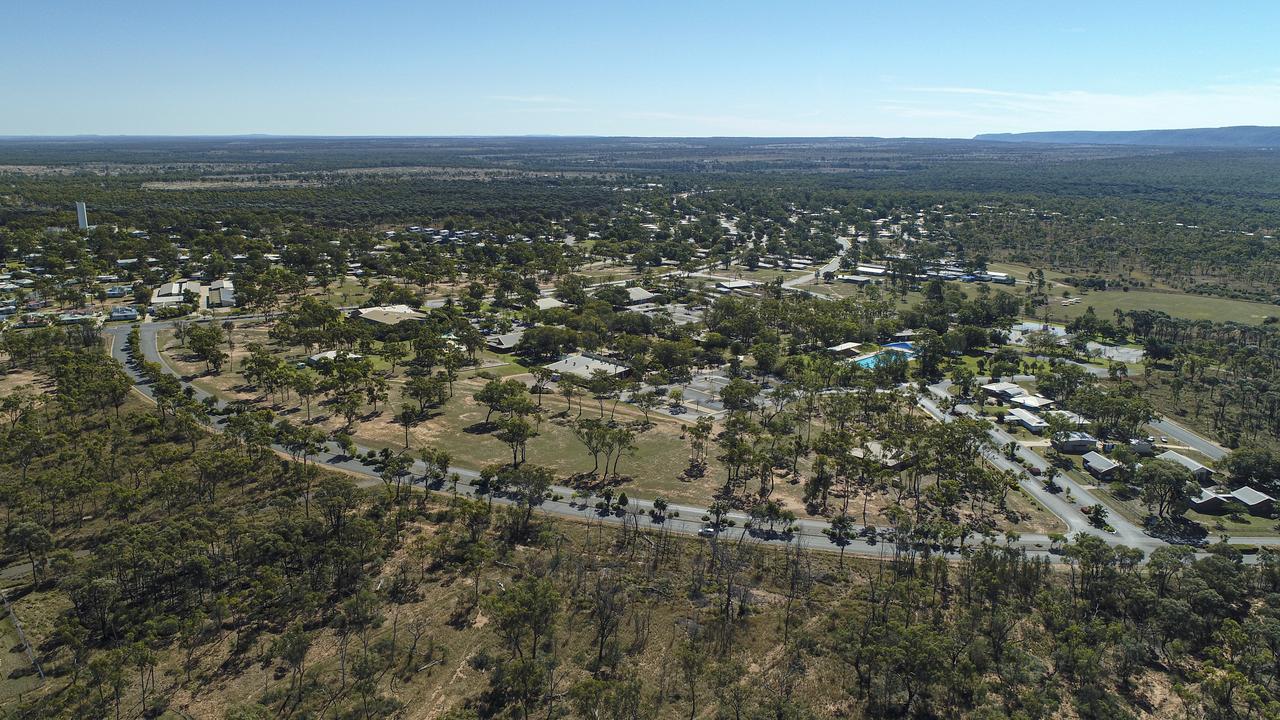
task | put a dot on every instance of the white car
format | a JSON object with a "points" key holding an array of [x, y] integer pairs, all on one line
{"points": [[707, 531]]}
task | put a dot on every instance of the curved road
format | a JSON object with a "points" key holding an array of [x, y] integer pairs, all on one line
{"points": [[1126, 532]]}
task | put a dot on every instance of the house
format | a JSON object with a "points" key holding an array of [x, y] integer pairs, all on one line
{"points": [[1075, 443], [1255, 501], [1075, 419], [78, 317], [124, 312], [32, 321], [1202, 474], [388, 314], [856, 279], [1003, 390], [222, 293], [119, 291], [547, 303], [1100, 466], [679, 313], [846, 349], [1142, 447], [169, 294], [888, 458], [1207, 501], [637, 295], [733, 285], [1025, 328], [871, 270], [1032, 402], [170, 290], [159, 302], [332, 355], [584, 366], [1027, 419], [504, 343]]}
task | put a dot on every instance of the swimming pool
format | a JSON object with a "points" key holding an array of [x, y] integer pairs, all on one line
{"points": [[874, 360]]}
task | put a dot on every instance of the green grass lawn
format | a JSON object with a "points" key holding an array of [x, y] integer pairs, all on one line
{"points": [[344, 293], [1191, 307], [38, 612], [655, 467], [1246, 526], [1177, 304], [764, 275], [1105, 303]]}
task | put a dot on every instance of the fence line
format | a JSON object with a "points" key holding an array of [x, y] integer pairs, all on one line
{"points": [[21, 635]]}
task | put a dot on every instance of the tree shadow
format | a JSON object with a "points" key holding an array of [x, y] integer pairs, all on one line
{"points": [[594, 483], [1177, 531]]}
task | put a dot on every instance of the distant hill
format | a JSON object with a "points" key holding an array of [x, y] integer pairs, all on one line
{"points": [[1240, 136]]}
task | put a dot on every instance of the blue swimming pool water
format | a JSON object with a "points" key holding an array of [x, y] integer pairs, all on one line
{"points": [[869, 362], [872, 361]]}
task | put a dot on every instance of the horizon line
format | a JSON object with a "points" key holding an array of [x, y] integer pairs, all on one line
{"points": [[465, 136]]}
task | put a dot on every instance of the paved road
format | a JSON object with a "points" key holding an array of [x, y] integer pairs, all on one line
{"points": [[1056, 502], [1164, 426], [1126, 532], [831, 266], [689, 522], [1190, 438]]}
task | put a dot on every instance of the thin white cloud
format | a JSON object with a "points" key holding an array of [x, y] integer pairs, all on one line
{"points": [[1010, 111], [803, 123], [532, 99]]}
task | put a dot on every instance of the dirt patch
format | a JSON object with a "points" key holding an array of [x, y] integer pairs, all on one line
{"points": [[26, 380]]}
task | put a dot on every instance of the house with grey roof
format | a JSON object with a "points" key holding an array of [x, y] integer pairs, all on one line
{"points": [[1100, 466], [1202, 473]]}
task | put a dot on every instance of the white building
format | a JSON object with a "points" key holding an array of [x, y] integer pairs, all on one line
{"points": [[1004, 390], [1027, 419], [584, 366], [636, 295], [389, 314], [1032, 402]]}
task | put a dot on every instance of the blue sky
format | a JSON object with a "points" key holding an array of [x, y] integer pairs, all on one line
{"points": [[937, 69]]}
